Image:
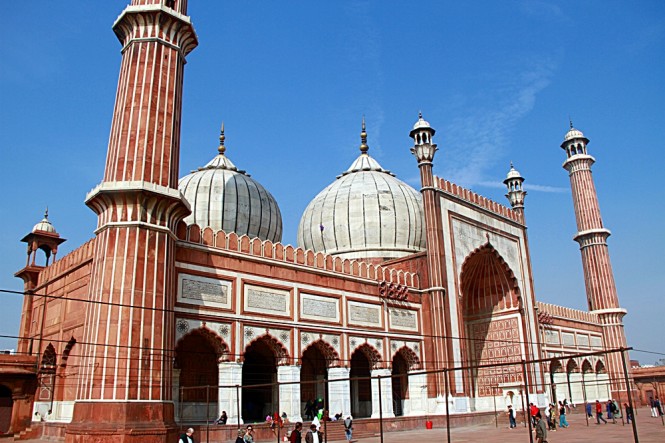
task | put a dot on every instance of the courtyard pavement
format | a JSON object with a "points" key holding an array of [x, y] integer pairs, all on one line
{"points": [[650, 430]]}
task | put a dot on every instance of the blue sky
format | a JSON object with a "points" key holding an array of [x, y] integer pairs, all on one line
{"points": [[291, 80]]}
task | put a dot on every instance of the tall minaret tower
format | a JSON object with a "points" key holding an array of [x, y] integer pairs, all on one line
{"points": [[516, 192], [124, 387], [438, 350], [592, 236]]}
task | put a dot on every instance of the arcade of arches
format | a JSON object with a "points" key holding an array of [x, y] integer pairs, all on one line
{"points": [[578, 382], [207, 382]]}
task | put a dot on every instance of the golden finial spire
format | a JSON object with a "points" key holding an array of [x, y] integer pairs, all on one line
{"points": [[46, 213], [221, 149], [363, 138]]}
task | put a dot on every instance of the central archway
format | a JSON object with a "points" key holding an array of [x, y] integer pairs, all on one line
{"points": [[491, 319]]}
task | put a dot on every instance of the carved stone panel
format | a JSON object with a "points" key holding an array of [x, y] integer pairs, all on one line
{"points": [[364, 314], [319, 308], [403, 319], [204, 291], [267, 301]]}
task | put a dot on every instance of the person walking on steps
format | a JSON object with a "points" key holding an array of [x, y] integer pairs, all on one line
{"points": [[511, 417], [348, 427]]}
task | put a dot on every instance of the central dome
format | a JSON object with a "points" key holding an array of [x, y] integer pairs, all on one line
{"points": [[367, 213], [223, 197]]}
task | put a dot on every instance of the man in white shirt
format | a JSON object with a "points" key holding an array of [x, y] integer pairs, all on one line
{"points": [[313, 436], [187, 436]]}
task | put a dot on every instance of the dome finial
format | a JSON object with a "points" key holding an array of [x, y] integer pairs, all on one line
{"points": [[363, 138], [46, 213], [420, 115], [221, 149], [511, 165], [571, 122]]}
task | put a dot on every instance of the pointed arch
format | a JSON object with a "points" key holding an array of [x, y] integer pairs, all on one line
{"points": [[412, 360], [600, 367], [586, 367], [281, 353], [49, 359], [373, 356], [329, 353], [488, 283], [221, 349], [555, 366], [572, 366]]}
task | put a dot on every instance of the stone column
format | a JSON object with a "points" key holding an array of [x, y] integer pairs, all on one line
{"points": [[417, 402], [576, 396], [386, 393], [175, 393], [339, 391], [229, 398], [289, 394]]}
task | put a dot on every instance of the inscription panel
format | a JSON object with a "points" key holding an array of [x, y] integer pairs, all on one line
{"points": [[364, 314], [204, 291], [403, 319], [267, 301], [568, 339], [319, 308]]}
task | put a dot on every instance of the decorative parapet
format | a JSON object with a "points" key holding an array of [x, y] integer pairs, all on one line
{"points": [[477, 199], [77, 257], [298, 256], [566, 313]]}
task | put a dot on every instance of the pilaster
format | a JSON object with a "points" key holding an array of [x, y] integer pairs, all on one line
{"points": [[228, 395], [339, 391], [289, 393], [386, 387]]}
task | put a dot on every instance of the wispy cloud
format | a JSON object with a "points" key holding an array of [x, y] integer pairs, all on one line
{"points": [[475, 140]]}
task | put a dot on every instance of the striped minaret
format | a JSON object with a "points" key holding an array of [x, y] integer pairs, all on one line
{"points": [[124, 387], [592, 236], [437, 351]]}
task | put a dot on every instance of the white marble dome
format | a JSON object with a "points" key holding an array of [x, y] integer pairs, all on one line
{"points": [[513, 173], [573, 133], [223, 197], [366, 213], [44, 225]]}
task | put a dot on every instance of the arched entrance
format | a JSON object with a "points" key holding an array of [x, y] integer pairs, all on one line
{"points": [[363, 360], [400, 381], [259, 368], [315, 361], [6, 405], [490, 295], [197, 357]]}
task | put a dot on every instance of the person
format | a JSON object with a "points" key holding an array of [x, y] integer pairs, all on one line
{"points": [[588, 409], [241, 434], [222, 418], [533, 410], [629, 412], [309, 409], [599, 413], [541, 429], [659, 408], [551, 417], [562, 416], [610, 411], [285, 419], [187, 436], [249, 435], [511, 417], [348, 427], [654, 411], [313, 435], [296, 434]]}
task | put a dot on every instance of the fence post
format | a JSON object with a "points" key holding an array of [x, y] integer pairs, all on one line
{"points": [[207, 413], [445, 380], [238, 404], [628, 391], [378, 379], [526, 391]]}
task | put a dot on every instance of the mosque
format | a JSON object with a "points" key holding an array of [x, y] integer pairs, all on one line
{"points": [[185, 297]]}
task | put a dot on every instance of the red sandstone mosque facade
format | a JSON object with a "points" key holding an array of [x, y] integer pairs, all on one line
{"points": [[185, 284]]}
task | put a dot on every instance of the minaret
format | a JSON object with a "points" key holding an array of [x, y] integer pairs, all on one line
{"points": [[435, 296], [124, 386], [516, 192], [592, 236]]}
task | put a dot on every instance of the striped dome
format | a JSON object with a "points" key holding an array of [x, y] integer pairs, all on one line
{"points": [[223, 197], [366, 213]]}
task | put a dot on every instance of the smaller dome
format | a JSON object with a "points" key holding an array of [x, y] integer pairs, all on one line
{"points": [[513, 173], [421, 123], [44, 225], [573, 133]]}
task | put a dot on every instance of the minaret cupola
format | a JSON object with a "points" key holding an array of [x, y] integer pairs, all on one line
{"points": [[516, 192], [574, 142], [422, 134]]}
